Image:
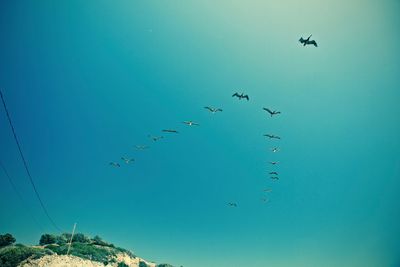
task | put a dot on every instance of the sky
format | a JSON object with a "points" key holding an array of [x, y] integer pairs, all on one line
{"points": [[86, 81]]}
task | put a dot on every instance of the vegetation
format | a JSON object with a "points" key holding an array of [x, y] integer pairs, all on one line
{"points": [[47, 239], [95, 249], [6, 240], [13, 255]]}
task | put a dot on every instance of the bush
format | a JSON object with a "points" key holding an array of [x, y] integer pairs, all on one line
{"points": [[142, 264], [80, 238], [13, 256], [122, 264], [6, 240], [46, 239]]}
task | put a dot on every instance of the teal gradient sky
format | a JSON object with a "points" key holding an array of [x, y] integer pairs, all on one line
{"points": [[85, 81]]}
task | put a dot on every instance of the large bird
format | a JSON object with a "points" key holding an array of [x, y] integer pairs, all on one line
{"points": [[127, 160], [190, 123], [274, 162], [240, 96], [114, 164], [308, 41], [275, 149], [272, 112], [213, 110], [232, 204], [170, 131], [275, 178], [273, 173], [155, 138], [265, 199], [271, 136]]}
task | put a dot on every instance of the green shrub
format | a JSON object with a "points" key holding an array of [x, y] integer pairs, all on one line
{"points": [[142, 264], [12, 256], [80, 238], [122, 264], [47, 239], [6, 240]]}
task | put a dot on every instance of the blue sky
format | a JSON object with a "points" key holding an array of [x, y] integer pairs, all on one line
{"points": [[85, 82]]}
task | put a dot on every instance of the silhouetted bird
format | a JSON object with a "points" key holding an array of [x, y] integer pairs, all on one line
{"points": [[275, 178], [271, 136], [127, 161], [232, 204], [308, 41], [275, 149], [170, 131], [155, 138], [272, 113], [265, 200], [274, 162], [190, 123], [273, 173], [213, 110], [240, 96], [114, 164]]}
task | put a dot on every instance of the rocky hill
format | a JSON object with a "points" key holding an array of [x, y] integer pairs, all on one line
{"points": [[84, 251]]}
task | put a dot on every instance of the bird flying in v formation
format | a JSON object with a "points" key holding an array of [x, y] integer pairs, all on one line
{"points": [[308, 41], [213, 110], [241, 96], [272, 112]]}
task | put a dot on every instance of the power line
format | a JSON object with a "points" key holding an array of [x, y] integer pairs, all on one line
{"points": [[26, 166], [29, 211]]}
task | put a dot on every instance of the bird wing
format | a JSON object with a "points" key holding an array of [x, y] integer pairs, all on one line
{"points": [[210, 109], [268, 135], [235, 94], [218, 109], [246, 96], [302, 40], [268, 110], [313, 42]]}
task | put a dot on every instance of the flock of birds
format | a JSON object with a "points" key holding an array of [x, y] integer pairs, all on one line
{"points": [[273, 173]]}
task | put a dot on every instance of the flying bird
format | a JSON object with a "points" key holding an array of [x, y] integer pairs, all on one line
{"points": [[275, 178], [273, 173], [190, 123], [141, 147], [240, 96], [114, 164], [155, 138], [308, 41], [127, 161], [272, 112], [213, 110], [271, 136], [265, 200], [232, 204], [275, 149], [170, 131], [274, 162]]}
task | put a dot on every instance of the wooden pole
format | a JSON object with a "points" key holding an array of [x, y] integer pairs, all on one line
{"points": [[70, 241]]}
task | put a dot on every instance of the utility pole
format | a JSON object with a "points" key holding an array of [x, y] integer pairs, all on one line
{"points": [[70, 241]]}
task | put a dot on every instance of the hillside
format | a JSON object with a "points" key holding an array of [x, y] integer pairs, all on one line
{"points": [[84, 251]]}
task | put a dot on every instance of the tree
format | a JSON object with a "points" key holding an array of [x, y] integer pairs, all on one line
{"points": [[46, 239], [80, 238], [6, 240]]}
